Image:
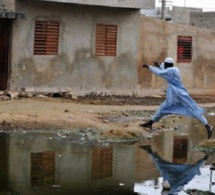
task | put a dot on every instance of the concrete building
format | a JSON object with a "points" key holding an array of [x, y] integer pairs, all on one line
{"points": [[179, 15], [193, 17], [76, 45], [203, 20], [182, 15]]}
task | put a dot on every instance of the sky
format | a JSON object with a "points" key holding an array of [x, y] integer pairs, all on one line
{"points": [[206, 5]]}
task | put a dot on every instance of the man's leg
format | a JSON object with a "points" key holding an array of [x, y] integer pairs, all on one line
{"points": [[147, 124], [156, 117], [162, 165]]}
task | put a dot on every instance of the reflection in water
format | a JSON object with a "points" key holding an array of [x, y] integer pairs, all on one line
{"points": [[180, 148], [42, 168], [3, 161], [42, 164], [175, 175], [38, 163], [102, 162]]}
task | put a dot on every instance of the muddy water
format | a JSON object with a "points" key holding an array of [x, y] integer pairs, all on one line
{"points": [[65, 164]]}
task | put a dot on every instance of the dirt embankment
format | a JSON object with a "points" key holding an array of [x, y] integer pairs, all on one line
{"points": [[108, 117]]}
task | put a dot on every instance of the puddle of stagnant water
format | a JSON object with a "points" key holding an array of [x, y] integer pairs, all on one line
{"points": [[54, 163]]}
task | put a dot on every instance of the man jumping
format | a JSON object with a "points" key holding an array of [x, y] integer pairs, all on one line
{"points": [[178, 100]]}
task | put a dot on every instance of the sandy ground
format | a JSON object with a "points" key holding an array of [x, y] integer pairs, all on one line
{"points": [[108, 117]]}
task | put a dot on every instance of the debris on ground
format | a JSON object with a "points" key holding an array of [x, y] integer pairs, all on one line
{"points": [[114, 117]]}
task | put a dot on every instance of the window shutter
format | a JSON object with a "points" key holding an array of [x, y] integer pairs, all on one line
{"points": [[46, 38], [184, 52], [102, 162], [42, 168], [106, 40]]}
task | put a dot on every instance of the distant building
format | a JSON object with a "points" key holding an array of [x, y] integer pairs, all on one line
{"points": [[203, 19], [182, 15], [156, 13]]}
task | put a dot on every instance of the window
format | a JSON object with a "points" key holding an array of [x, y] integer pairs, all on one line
{"points": [[106, 40], [184, 52], [46, 38]]}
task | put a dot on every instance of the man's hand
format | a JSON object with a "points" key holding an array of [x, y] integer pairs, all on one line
{"points": [[145, 66], [156, 64]]}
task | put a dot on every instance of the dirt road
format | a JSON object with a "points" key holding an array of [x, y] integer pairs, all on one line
{"points": [[109, 117]]}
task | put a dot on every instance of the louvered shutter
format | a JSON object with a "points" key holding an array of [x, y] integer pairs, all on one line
{"points": [[106, 40], [46, 38]]}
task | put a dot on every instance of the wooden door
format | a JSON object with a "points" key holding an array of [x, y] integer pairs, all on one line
{"points": [[4, 30]]}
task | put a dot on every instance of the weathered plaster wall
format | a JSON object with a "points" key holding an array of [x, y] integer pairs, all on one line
{"points": [[76, 66], [159, 40]]}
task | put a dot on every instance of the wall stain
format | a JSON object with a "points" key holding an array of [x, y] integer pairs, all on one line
{"points": [[87, 71], [204, 73], [123, 72]]}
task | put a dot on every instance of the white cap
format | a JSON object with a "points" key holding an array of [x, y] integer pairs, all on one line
{"points": [[169, 60]]}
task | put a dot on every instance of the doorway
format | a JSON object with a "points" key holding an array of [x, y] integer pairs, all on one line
{"points": [[4, 37]]}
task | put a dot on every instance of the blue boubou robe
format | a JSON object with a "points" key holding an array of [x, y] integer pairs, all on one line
{"points": [[178, 100]]}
